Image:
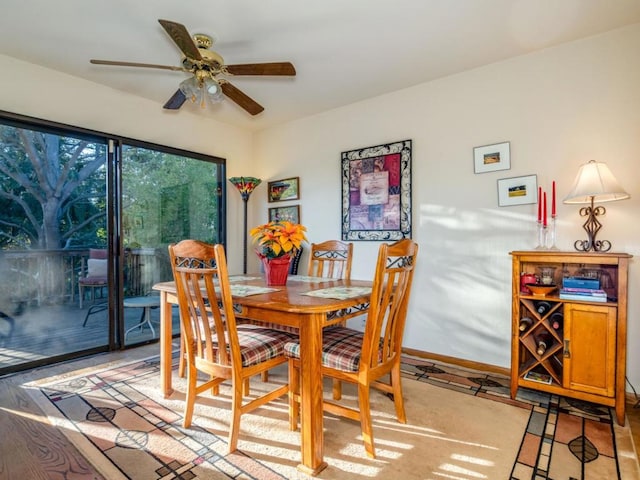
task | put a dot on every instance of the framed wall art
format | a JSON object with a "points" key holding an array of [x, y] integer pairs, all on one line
{"points": [[286, 189], [490, 158], [289, 214], [376, 192], [517, 190]]}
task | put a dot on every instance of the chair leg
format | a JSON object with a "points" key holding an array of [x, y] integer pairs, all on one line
{"points": [[365, 419], [246, 387], [294, 393], [337, 389], [192, 375], [181, 359], [265, 376], [236, 411], [398, 400]]}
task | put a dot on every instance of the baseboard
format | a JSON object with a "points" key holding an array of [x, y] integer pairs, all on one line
{"points": [[630, 397], [483, 367]]}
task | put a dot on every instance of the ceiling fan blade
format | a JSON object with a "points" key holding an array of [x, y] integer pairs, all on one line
{"points": [[136, 64], [274, 68], [182, 39], [176, 101], [241, 98]]}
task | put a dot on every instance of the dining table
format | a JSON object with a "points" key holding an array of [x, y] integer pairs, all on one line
{"points": [[308, 303]]}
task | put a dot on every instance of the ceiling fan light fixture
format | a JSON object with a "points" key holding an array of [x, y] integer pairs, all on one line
{"points": [[202, 91], [213, 89], [189, 88]]}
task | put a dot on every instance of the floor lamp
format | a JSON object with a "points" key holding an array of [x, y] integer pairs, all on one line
{"points": [[245, 186]]}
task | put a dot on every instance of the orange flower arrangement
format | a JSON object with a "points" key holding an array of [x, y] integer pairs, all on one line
{"points": [[277, 239]]}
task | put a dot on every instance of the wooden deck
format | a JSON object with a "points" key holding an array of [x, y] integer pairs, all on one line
{"points": [[45, 331]]}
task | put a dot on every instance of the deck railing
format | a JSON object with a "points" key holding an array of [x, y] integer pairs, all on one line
{"points": [[51, 276]]}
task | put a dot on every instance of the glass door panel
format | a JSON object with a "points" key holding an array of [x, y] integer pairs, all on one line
{"points": [[166, 197], [53, 202]]}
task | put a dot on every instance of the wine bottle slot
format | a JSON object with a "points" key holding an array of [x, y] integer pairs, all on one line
{"points": [[525, 324], [543, 342], [557, 321], [542, 307]]}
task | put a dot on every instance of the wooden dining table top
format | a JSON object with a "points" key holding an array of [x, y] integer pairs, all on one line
{"points": [[292, 297]]}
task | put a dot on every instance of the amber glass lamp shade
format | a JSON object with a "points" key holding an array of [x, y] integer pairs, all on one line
{"points": [[245, 186]]}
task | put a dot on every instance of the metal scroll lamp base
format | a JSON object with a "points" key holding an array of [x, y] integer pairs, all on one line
{"points": [[592, 226]]}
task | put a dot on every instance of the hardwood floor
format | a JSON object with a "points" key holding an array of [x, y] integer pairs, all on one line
{"points": [[31, 448]]}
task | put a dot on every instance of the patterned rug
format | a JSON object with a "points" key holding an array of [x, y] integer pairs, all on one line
{"points": [[462, 425]]}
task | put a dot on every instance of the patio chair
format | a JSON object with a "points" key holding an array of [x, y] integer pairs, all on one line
{"points": [[363, 358], [96, 277], [215, 345]]}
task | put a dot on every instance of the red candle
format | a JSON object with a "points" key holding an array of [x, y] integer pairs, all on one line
{"points": [[544, 208], [553, 199], [539, 204]]}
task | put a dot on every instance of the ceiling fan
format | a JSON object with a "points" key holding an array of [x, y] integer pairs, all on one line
{"points": [[206, 66]]}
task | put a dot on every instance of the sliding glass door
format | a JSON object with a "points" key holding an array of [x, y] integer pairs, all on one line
{"points": [[85, 225]]}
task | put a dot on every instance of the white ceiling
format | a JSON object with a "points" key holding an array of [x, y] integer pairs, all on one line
{"points": [[344, 51]]}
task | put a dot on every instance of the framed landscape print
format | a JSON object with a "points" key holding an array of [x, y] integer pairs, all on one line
{"points": [[289, 214], [517, 190], [490, 158], [286, 189], [376, 192]]}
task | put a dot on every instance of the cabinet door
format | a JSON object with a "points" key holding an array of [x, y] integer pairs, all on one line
{"points": [[590, 348]]}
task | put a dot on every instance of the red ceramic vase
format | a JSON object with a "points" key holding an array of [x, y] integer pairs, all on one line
{"points": [[276, 269]]}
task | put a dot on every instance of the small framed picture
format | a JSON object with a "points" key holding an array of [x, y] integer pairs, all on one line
{"points": [[281, 214], [286, 189], [490, 158], [517, 190]]}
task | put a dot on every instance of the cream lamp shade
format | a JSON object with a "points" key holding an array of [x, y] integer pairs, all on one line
{"points": [[594, 182]]}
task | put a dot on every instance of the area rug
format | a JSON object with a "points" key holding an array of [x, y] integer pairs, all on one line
{"points": [[461, 425]]}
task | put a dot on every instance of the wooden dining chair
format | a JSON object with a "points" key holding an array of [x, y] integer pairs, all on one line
{"points": [[293, 270], [364, 358], [331, 259], [215, 345]]}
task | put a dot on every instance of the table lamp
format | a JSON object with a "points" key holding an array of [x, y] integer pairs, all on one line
{"points": [[594, 182], [245, 186]]}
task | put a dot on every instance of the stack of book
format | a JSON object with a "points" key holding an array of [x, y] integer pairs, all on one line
{"points": [[583, 294]]}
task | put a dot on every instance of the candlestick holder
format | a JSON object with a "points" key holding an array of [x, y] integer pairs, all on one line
{"points": [[551, 236], [541, 231]]}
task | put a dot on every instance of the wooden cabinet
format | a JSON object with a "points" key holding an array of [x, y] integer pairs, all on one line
{"points": [[571, 347]]}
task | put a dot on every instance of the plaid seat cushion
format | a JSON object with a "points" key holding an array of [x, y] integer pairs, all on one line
{"points": [[259, 344], [276, 326], [341, 348]]}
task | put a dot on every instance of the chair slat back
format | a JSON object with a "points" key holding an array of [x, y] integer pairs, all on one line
{"points": [[384, 327], [331, 259], [207, 320]]}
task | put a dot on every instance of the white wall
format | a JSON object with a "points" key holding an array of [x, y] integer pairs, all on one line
{"points": [[559, 108], [32, 90]]}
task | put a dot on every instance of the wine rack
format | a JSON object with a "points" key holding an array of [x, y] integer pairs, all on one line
{"points": [[575, 348], [548, 362]]}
